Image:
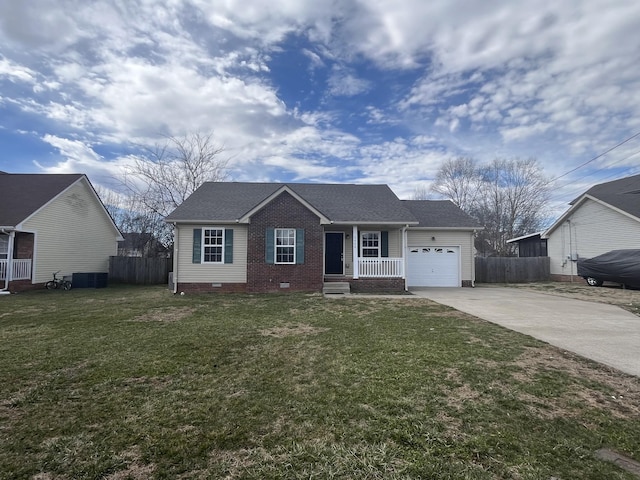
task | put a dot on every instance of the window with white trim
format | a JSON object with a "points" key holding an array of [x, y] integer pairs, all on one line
{"points": [[370, 244], [4, 246], [285, 245], [212, 245]]}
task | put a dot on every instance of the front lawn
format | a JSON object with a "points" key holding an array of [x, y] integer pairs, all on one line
{"points": [[135, 383]]}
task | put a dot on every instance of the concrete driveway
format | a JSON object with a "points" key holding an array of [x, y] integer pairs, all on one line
{"points": [[601, 332]]}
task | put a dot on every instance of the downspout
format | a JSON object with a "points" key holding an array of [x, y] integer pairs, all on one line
{"points": [[473, 259], [8, 275], [404, 257], [175, 258]]}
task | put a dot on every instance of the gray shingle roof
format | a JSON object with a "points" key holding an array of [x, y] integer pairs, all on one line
{"points": [[623, 194], [228, 201], [22, 194], [440, 214]]}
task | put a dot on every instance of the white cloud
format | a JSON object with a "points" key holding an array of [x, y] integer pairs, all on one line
{"points": [[493, 78]]}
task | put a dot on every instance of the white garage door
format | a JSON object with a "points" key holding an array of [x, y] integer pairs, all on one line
{"points": [[433, 267]]}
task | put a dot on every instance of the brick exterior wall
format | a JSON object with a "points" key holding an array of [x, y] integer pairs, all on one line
{"points": [[377, 285], [285, 211], [209, 288], [567, 278], [22, 286], [23, 246]]}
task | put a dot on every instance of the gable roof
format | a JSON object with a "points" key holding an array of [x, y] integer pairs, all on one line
{"points": [[339, 203], [440, 214], [21, 195], [622, 195]]}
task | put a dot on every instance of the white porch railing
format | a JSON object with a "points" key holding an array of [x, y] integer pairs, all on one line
{"points": [[380, 267], [21, 269]]}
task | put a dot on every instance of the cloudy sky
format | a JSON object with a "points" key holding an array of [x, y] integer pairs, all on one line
{"points": [[360, 91]]}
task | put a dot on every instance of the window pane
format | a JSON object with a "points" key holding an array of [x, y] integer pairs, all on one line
{"points": [[285, 245], [370, 244], [213, 240], [4, 246]]}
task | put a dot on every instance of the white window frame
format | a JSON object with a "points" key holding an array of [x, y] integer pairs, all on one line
{"points": [[206, 245], [364, 247], [4, 246], [290, 238]]}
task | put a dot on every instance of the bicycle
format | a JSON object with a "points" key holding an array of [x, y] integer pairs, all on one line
{"points": [[57, 283]]}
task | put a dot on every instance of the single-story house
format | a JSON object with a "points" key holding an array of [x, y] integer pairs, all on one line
{"points": [[265, 237], [606, 217], [51, 223]]}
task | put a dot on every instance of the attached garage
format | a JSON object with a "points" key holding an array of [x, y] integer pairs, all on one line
{"points": [[433, 266]]}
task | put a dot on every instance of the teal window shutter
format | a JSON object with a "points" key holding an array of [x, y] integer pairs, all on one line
{"points": [[269, 248], [228, 245], [299, 246], [197, 245], [384, 243]]}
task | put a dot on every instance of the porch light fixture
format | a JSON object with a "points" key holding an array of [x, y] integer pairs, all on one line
{"points": [[433, 238]]}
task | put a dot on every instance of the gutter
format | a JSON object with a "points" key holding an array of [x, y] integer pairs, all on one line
{"points": [[7, 277], [175, 257]]}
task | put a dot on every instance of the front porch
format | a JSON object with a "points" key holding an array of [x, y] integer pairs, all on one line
{"points": [[20, 269], [367, 258]]}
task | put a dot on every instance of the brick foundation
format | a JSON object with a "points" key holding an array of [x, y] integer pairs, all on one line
{"points": [[209, 288], [567, 278], [377, 285], [22, 286]]}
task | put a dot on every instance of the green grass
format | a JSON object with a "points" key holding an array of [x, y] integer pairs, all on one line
{"points": [[136, 383]]}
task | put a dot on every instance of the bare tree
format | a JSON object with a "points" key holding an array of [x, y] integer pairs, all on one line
{"points": [[164, 176], [421, 192], [458, 180], [508, 197]]}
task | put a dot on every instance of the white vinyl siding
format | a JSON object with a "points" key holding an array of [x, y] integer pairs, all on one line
{"points": [[72, 234], [189, 272], [447, 238], [593, 229]]}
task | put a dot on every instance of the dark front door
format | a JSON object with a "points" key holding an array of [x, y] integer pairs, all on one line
{"points": [[334, 253]]}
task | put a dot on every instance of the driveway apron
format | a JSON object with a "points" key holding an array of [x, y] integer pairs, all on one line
{"points": [[600, 332]]}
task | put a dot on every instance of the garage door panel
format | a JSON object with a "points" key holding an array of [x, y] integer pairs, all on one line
{"points": [[430, 266]]}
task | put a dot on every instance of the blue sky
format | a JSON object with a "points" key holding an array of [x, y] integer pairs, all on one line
{"points": [[375, 91]]}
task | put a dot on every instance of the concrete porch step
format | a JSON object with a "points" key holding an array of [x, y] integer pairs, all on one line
{"points": [[336, 288]]}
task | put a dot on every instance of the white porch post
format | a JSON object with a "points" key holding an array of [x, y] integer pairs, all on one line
{"points": [[9, 273], [354, 243]]}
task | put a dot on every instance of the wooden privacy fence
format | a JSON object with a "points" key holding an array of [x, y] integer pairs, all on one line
{"points": [[512, 269], [139, 270]]}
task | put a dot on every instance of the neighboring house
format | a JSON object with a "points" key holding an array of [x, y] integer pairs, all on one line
{"points": [[532, 245], [51, 223], [141, 245], [606, 217], [263, 237]]}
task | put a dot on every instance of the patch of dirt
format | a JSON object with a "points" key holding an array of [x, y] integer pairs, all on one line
{"points": [[164, 315], [618, 394], [611, 294], [22, 311], [292, 330], [135, 470]]}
